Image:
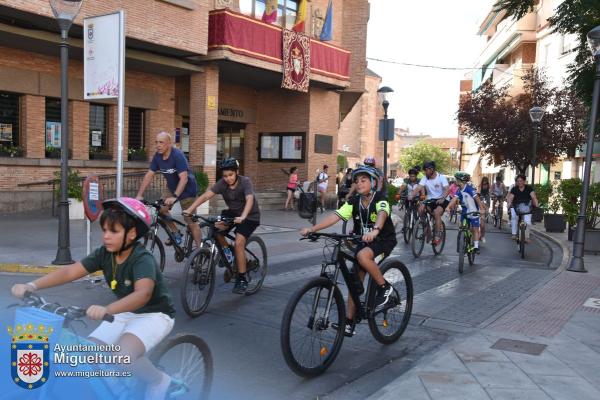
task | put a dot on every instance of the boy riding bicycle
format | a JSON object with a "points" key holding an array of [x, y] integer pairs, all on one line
{"points": [[470, 202], [238, 193], [371, 213], [144, 312]]}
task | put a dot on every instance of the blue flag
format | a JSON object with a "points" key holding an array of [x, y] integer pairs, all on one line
{"points": [[327, 32]]}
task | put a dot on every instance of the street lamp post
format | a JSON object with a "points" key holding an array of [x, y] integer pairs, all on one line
{"points": [[536, 114], [65, 12], [576, 265], [384, 94]]}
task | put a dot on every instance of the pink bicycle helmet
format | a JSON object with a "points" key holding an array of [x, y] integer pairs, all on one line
{"points": [[135, 209], [370, 161]]}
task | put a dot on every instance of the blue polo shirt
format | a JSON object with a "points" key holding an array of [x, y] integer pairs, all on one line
{"points": [[171, 168]]}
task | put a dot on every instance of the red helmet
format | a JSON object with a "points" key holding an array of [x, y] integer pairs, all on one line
{"points": [[135, 209]]}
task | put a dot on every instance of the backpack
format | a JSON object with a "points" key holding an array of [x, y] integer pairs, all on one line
{"points": [[307, 205]]}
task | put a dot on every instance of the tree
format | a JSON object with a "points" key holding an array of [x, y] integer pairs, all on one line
{"points": [[501, 125], [422, 152], [576, 17]]}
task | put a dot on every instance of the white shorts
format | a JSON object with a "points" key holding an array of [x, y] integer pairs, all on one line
{"points": [[322, 187], [150, 328]]}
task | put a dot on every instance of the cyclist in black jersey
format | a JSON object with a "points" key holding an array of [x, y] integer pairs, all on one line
{"points": [[371, 213]]}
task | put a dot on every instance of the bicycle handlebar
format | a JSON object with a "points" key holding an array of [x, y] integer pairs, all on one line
{"points": [[212, 220], [70, 313]]}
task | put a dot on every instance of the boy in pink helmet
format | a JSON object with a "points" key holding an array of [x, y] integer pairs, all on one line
{"points": [[143, 312]]}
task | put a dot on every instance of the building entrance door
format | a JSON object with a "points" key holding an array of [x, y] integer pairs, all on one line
{"points": [[230, 143]]}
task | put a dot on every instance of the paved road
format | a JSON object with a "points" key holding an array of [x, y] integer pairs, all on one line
{"points": [[243, 332]]}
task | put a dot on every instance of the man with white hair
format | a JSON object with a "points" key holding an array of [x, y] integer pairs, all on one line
{"points": [[181, 183]]}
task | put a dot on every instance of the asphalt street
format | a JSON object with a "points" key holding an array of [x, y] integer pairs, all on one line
{"points": [[243, 331]]}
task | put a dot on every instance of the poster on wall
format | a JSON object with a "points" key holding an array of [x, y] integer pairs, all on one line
{"points": [[101, 56], [53, 134], [291, 148], [6, 132], [97, 138]]}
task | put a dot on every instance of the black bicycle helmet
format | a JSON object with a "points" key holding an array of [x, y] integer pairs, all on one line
{"points": [[462, 176], [413, 171], [429, 164], [230, 163]]}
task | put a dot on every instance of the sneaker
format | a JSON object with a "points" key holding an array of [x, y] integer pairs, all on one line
{"points": [[349, 329], [178, 239], [477, 250], [436, 241], [241, 285], [482, 240], [383, 296], [229, 255]]}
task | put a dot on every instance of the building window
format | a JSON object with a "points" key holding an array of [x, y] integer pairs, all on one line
{"points": [[286, 10], [9, 122], [137, 128], [99, 132], [53, 128], [284, 147]]}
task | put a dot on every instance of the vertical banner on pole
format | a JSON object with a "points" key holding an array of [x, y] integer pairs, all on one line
{"points": [[104, 68]]}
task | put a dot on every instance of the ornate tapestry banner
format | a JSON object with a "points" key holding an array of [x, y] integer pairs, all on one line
{"points": [[296, 61]]}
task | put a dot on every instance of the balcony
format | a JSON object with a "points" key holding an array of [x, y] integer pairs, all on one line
{"points": [[239, 38], [510, 76]]}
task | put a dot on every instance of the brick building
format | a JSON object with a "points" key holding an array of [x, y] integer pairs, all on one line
{"points": [[208, 71]]}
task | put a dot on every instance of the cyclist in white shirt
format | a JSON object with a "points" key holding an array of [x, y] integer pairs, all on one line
{"points": [[437, 188]]}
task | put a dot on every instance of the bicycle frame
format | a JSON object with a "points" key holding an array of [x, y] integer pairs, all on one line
{"points": [[158, 219]]}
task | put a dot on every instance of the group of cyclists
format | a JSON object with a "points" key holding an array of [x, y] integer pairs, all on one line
{"points": [[143, 309]]}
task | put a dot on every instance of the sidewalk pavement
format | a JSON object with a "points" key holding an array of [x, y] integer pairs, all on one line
{"points": [[546, 347], [28, 241]]}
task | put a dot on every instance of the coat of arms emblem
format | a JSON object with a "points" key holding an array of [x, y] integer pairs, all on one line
{"points": [[30, 366]]}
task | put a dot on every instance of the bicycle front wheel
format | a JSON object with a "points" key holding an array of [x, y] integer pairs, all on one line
{"points": [[418, 238], [442, 236], [309, 341], [387, 326], [188, 361], [256, 264], [406, 227], [460, 245], [522, 242], [155, 246], [198, 282]]}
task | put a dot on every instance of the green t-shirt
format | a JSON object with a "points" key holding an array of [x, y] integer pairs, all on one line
{"points": [[140, 264]]}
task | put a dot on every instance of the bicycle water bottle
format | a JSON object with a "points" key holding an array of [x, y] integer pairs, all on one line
{"points": [[178, 238]]}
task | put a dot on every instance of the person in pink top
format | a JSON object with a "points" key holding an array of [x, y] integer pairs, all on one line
{"points": [[291, 188]]}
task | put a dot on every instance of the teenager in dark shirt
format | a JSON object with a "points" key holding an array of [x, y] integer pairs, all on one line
{"points": [[520, 199]]}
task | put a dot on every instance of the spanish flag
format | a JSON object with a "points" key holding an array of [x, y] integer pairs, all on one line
{"points": [[300, 17], [270, 14]]}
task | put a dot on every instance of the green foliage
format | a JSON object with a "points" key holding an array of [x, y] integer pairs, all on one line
{"points": [[422, 152], [543, 193], [74, 184], [136, 152], [202, 181], [391, 194], [342, 162], [575, 17], [10, 150], [569, 192]]}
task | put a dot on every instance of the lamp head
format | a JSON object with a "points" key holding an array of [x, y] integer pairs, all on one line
{"points": [[536, 114], [65, 11], [384, 93]]}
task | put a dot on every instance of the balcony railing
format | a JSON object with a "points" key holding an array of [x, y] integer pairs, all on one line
{"points": [[240, 34]]}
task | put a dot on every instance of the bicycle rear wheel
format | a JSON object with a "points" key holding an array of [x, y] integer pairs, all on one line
{"points": [[407, 227], [461, 246], [308, 341], [198, 282], [256, 264], [418, 238], [155, 246], [440, 247], [387, 326], [188, 361]]}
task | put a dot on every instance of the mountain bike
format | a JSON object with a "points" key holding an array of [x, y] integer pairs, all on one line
{"points": [[521, 236], [464, 242], [154, 245], [200, 268], [410, 218], [453, 216], [313, 323], [186, 358], [423, 230]]}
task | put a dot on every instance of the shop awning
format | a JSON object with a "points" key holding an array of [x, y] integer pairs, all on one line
{"points": [[473, 161]]}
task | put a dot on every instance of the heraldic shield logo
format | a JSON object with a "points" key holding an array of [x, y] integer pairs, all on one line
{"points": [[30, 355]]}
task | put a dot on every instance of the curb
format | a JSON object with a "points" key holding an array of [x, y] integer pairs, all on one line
{"points": [[565, 250], [32, 269]]}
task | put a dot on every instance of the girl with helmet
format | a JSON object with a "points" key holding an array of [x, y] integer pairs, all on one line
{"points": [[238, 193], [143, 312], [371, 212], [470, 201]]}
